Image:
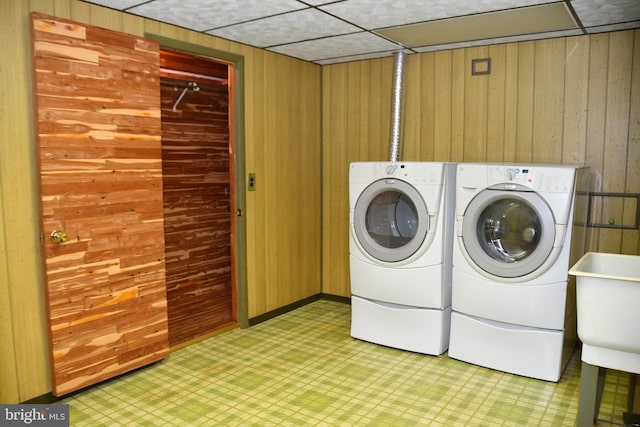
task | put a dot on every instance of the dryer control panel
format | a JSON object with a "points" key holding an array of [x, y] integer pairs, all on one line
{"points": [[517, 175], [412, 172], [547, 179]]}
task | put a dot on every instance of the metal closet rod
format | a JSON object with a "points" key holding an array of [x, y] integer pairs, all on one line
{"points": [[195, 86], [189, 85]]}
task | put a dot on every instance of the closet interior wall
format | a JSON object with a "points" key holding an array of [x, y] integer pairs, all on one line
{"points": [[197, 196]]}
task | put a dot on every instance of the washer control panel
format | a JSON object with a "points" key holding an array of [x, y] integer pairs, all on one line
{"points": [[515, 174], [543, 178]]}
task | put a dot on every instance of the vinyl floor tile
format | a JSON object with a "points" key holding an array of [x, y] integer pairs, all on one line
{"points": [[303, 368]]}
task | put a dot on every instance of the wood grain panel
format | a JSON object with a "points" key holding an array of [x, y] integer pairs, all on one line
{"points": [[363, 100], [443, 105], [545, 101], [106, 290], [354, 113], [548, 101], [255, 163], [616, 134], [289, 180], [335, 190], [197, 196], [24, 367], [429, 147], [475, 107], [458, 72], [380, 88], [598, 70], [576, 95], [411, 123], [496, 104], [524, 108], [269, 184], [510, 103], [631, 238]]}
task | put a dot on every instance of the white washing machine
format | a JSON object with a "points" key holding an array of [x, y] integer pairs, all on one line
{"points": [[515, 235], [402, 218]]}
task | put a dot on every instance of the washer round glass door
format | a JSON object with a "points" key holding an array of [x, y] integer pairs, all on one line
{"points": [[508, 233], [390, 220]]}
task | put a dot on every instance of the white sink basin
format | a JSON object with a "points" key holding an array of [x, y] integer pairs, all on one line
{"points": [[608, 304]]}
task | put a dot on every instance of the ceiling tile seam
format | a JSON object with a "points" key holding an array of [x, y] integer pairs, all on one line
{"points": [[483, 39], [590, 28], [312, 39], [257, 19], [315, 6], [575, 16], [377, 52], [319, 8], [137, 5], [368, 30], [400, 45]]}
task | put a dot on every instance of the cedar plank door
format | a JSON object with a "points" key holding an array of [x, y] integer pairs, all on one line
{"points": [[98, 131]]}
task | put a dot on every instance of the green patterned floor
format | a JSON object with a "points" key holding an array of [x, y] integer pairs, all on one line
{"points": [[303, 368]]}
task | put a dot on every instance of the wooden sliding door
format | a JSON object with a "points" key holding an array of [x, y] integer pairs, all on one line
{"points": [[98, 132]]}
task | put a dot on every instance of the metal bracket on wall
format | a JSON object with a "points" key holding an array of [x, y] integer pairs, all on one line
{"points": [[635, 197]]}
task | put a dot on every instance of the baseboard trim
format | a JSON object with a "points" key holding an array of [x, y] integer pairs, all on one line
{"points": [[293, 306], [282, 310]]}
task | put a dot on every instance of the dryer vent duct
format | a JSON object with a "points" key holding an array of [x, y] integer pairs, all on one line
{"points": [[396, 107]]}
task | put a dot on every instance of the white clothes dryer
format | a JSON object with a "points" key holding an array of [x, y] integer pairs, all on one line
{"points": [[514, 230], [401, 220]]}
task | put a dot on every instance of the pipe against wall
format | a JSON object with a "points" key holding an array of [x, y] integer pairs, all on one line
{"points": [[396, 107]]}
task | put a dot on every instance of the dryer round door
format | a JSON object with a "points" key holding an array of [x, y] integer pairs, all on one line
{"points": [[390, 220], [508, 233]]}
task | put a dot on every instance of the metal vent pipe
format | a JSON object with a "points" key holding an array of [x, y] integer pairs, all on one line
{"points": [[396, 107]]}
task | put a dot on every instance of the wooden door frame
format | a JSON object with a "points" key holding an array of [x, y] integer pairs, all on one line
{"points": [[237, 135]]}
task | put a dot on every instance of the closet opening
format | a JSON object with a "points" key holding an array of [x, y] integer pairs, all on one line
{"points": [[199, 194]]}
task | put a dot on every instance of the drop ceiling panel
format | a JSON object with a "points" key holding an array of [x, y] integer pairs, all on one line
{"points": [[330, 31], [594, 13], [336, 47], [529, 20], [512, 39], [386, 13], [300, 25], [203, 15]]}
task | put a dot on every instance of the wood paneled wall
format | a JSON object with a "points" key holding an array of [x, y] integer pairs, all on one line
{"points": [[282, 147], [568, 100]]}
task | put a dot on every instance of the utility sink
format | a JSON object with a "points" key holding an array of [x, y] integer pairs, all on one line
{"points": [[608, 305]]}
